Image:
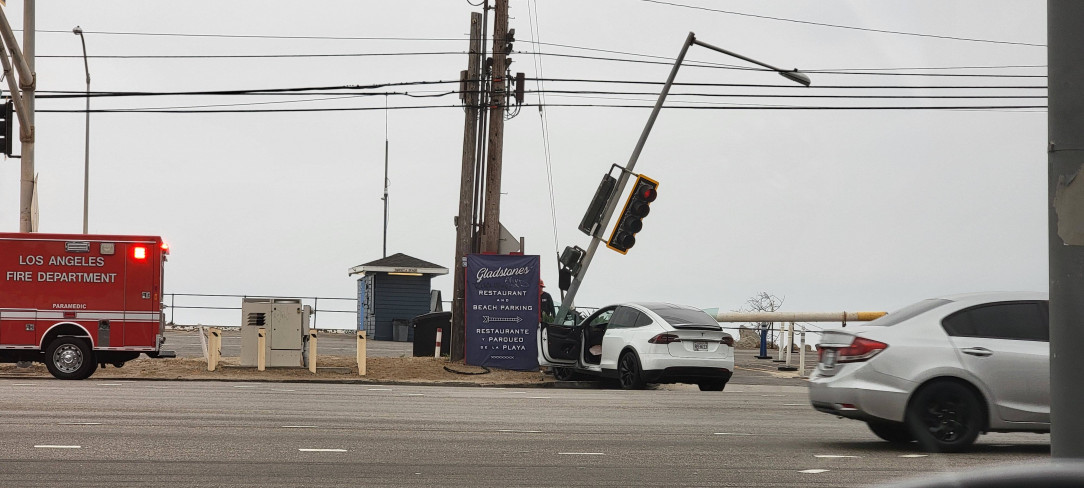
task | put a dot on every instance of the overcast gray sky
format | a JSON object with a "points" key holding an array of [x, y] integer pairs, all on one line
{"points": [[831, 209]]}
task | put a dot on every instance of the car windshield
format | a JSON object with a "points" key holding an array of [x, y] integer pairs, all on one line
{"points": [[685, 317], [909, 311]]}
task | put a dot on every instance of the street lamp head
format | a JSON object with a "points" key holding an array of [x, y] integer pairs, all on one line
{"points": [[77, 31], [795, 76]]}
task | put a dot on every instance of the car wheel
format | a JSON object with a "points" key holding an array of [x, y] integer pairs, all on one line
{"points": [[563, 374], [629, 373], [945, 417], [894, 432], [712, 385], [70, 358]]}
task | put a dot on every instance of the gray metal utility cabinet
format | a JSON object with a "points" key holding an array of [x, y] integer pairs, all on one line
{"points": [[286, 322]]}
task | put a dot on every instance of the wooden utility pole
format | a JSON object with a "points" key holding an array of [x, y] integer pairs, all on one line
{"points": [[464, 230], [491, 226]]}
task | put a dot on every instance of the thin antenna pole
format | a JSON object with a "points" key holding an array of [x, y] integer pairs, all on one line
{"points": [[385, 176]]}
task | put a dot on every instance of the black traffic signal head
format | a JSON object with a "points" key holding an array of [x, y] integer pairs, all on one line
{"points": [[7, 125], [630, 220]]}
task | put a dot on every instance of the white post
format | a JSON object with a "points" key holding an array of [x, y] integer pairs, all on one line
{"points": [[801, 354], [312, 351], [779, 343], [436, 350], [261, 343], [361, 353], [790, 342]]}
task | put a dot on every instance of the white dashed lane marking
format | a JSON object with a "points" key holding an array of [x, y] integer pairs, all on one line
{"points": [[80, 423], [298, 426], [833, 456], [510, 431], [732, 433], [581, 454], [813, 471], [913, 455], [51, 446], [320, 450]]}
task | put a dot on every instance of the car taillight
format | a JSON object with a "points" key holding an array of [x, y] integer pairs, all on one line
{"points": [[727, 340], [860, 350], [664, 339]]}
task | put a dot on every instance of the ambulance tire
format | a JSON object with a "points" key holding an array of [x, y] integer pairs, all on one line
{"points": [[70, 358]]}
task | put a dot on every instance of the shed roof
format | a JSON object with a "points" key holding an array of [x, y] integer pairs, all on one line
{"points": [[399, 263]]}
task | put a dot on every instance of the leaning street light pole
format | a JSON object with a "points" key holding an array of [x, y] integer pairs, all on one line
{"points": [[86, 150], [568, 301]]}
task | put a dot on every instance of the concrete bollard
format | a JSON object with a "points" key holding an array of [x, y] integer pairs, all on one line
{"points": [[312, 351], [436, 351], [261, 355], [361, 353], [214, 347]]}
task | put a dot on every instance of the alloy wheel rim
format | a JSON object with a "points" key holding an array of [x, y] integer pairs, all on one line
{"points": [[945, 421]]}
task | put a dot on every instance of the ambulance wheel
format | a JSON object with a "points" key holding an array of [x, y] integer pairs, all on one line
{"points": [[70, 358]]}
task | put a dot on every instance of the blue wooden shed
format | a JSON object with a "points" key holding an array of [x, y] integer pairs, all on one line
{"points": [[391, 292]]}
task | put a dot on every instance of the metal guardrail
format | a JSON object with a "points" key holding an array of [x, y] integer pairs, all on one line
{"points": [[200, 301]]}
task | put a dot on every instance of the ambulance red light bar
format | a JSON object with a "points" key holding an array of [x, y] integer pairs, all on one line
{"points": [[165, 248], [139, 252]]}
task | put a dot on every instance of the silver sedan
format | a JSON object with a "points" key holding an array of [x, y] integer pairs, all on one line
{"points": [[941, 371]]}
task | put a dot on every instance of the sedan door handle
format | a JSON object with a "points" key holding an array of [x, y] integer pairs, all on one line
{"points": [[978, 351]]}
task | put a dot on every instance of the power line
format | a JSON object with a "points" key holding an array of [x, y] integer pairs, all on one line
{"points": [[840, 26], [662, 61]]}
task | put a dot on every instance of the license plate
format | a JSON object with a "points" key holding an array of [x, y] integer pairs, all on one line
{"points": [[830, 356], [700, 346]]}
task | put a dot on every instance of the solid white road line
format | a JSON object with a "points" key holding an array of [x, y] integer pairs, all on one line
{"points": [[50, 446], [321, 450], [298, 426], [510, 431], [379, 389], [581, 454], [834, 456], [80, 423], [732, 433]]}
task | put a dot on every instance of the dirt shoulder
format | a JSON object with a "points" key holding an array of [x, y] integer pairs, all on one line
{"points": [[385, 370], [329, 369]]}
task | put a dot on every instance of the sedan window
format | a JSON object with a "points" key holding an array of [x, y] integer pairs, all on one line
{"points": [[1006, 320]]}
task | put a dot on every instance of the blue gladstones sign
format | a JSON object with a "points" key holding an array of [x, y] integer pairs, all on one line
{"points": [[502, 302]]}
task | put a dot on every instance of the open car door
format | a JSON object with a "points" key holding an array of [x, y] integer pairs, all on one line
{"points": [[558, 345]]}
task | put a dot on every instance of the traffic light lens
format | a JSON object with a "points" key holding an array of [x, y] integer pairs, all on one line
{"points": [[648, 194]]}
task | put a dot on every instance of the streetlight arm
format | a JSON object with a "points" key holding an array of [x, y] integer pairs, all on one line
{"points": [[793, 75]]}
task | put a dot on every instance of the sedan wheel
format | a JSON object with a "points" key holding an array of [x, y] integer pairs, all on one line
{"points": [[629, 373], [945, 417], [894, 432]]}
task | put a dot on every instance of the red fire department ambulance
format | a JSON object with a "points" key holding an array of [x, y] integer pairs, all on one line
{"points": [[76, 301]]}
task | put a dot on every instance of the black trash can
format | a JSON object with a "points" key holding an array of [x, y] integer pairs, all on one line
{"points": [[383, 332], [425, 333]]}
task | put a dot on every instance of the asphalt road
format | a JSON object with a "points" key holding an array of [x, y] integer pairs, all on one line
{"points": [[98, 433]]}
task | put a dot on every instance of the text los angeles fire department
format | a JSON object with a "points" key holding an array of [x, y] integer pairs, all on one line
{"points": [[61, 276]]}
